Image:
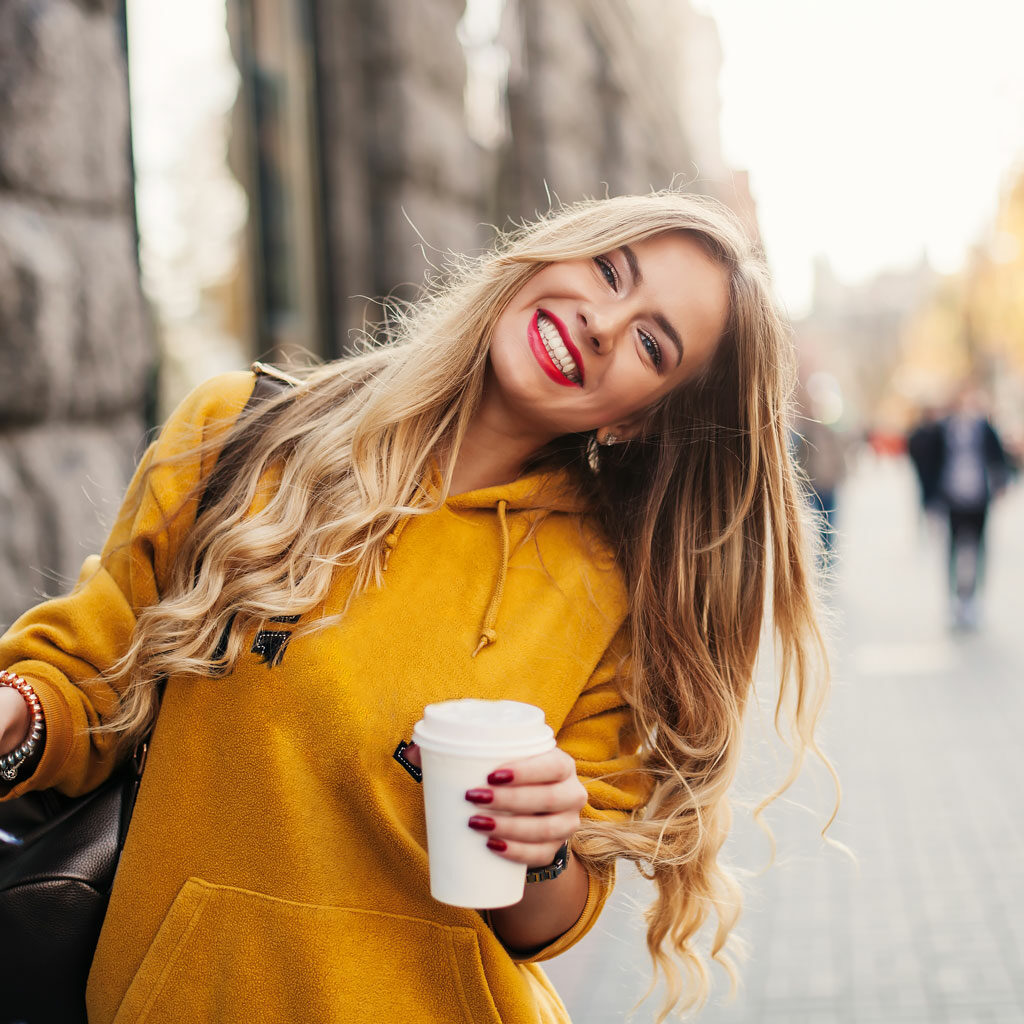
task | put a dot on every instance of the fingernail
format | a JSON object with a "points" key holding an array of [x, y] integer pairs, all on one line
{"points": [[479, 796], [497, 844], [500, 777], [481, 823]]}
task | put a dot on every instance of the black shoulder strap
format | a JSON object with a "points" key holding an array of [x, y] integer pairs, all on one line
{"points": [[269, 382]]}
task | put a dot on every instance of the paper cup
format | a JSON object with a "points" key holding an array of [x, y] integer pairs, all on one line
{"points": [[461, 742]]}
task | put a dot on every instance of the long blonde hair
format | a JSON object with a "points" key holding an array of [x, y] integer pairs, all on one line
{"points": [[703, 513]]}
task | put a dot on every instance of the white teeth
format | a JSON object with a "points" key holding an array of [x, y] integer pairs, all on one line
{"points": [[560, 355]]}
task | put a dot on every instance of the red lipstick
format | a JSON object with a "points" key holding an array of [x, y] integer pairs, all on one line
{"points": [[540, 352]]}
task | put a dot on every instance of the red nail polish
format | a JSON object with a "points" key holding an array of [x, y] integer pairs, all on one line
{"points": [[501, 777], [482, 823], [497, 844], [479, 796]]}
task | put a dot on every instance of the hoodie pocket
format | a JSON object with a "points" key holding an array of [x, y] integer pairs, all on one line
{"points": [[229, 955]]}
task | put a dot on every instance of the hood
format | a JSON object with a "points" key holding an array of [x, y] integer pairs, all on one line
{"points": [[543, 491]]}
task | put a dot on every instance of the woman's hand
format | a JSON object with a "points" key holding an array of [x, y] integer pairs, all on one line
{"points": [[527, 810], [529, 807], [15, 719]]}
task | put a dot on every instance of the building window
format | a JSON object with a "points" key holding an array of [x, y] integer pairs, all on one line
{"points": [[280, 169]]}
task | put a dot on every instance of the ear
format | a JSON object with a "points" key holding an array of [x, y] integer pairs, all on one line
{"points": [[625, 430]]}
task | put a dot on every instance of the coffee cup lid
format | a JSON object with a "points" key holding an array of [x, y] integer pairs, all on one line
{"points": [[474, 728]]}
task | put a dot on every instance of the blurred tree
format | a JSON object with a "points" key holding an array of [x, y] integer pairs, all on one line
{"points": [[972, 325], [996, 296]]}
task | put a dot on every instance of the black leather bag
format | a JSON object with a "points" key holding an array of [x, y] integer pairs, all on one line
{"points": [[55, 883], [59, 855]]}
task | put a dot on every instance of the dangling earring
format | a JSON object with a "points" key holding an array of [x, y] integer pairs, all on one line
{"points": [[609, 440]]}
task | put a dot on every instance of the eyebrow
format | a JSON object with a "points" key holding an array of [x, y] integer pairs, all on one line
{"points": [[634, 265], [634, 270]]}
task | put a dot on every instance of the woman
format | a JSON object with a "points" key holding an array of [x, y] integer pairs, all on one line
{"points": [[563, 481]]}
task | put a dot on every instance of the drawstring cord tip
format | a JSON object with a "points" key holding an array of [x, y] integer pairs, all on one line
{"points": [[486, 639]]}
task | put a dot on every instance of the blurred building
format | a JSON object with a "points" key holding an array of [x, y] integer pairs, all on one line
{"points": [[856, 331], [296, 160], [969, 326], [372, 139], [75, 345]]}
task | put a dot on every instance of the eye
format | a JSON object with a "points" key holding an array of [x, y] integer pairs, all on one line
{"points": [[607, 268], [652, 348]]}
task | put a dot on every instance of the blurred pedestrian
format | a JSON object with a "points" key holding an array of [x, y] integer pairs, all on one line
{"points": [[820, 453], [559, 484], [971, 469], [924, 449]]}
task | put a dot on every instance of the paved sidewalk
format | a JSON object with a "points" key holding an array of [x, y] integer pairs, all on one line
{"points": [[925, 729]]}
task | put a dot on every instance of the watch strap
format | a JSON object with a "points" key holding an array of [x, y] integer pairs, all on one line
{"points": [[552, 870]]}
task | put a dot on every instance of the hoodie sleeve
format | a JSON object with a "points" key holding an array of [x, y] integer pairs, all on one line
{"points": [[598, 732], [64, 645]]}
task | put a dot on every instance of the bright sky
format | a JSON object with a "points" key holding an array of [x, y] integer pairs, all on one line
{"points": [[190, 209], [873, 130]]}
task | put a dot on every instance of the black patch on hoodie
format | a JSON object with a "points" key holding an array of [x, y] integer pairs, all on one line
{"points": [[399, 756], [270, 645]]}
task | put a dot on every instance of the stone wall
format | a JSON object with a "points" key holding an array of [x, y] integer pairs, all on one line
{"points": [[75, 348], [587, 115], [405, 183], [400, 173]]}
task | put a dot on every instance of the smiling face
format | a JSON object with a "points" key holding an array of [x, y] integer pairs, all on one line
{"points": [[593, 343]]}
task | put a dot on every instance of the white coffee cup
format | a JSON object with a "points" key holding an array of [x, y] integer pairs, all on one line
{"points": [[461, 743]]}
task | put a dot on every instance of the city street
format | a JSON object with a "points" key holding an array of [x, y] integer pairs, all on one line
{"points": [[924, 729]]}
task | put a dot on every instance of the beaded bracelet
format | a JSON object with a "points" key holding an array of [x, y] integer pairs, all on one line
{"points": [[10, 763]]}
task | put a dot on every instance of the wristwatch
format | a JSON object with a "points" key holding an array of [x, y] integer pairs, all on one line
{"points": [[552, 870]]}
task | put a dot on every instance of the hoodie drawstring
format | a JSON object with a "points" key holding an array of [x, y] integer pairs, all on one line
{"points": [[391, 540], [488, 635]]}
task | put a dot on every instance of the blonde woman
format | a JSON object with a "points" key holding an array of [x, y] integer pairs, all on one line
{"points": [[565, 480]]}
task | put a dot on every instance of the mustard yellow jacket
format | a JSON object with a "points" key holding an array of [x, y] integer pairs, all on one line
{"points": [[276, 867]]}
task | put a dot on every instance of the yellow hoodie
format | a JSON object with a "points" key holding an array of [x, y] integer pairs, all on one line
{"points": [[276, 867]]}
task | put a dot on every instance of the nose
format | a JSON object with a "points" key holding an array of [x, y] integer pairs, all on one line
{"points": [[601, 326]]}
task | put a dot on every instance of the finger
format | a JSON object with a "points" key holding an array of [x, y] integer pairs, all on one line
{"points": [[549, 798], [553, 766], [530, 854], [534, 829]]}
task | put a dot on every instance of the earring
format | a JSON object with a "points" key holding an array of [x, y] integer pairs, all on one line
{"points": [[609, 440]]}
